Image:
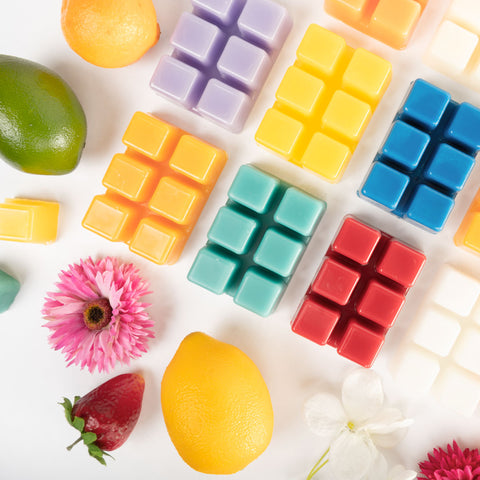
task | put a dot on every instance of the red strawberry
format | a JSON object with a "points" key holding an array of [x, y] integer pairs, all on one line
{"points": [[106, 416]]}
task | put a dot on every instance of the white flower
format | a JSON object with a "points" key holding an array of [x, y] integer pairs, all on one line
{"points": [[379, 471], [400, 473], [356, 428]]}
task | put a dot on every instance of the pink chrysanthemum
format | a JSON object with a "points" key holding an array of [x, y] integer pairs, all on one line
{"points": [[453, 464], [96, 318]]}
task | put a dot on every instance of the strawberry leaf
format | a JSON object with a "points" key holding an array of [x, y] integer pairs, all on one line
{"points": [[78, 423], [67, 405], [89, 438], [97, 453]]}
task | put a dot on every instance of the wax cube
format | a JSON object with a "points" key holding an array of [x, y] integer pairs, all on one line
{"points": [[257, 240], [9, 287], [455, 48], [443, 342], [426, 159], [468, 234], [358, 292], [390, 21], [222, 54], [26, 220], [156, 190], [324, 103]]}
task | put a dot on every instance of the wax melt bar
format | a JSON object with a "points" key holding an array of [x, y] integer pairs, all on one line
{"points": [[390, 21], [9, 287], [26, 220], [358, 291], [256, 240], [455, 48], [324, 103], [156, 190], [440, 352], [223, 52], [426, 158], [468, 234]]}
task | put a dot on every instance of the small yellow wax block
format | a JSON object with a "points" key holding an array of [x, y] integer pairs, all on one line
{"points": [[158, 241], [26, 220], [148, 136]]}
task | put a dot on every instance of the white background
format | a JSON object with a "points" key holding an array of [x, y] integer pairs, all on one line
{"points": [[33, 431]]}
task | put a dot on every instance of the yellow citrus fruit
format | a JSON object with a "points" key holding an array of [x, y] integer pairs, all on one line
{"points": [[110, 33], [216, 406]]}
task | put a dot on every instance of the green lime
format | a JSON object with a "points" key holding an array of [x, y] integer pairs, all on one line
{"points": [[42, 124]]}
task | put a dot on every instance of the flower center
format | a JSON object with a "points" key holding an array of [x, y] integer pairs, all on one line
{"points": [[97, 314], [351, 426]]}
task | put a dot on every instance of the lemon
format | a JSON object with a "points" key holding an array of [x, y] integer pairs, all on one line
{"points": [[216, 406]]}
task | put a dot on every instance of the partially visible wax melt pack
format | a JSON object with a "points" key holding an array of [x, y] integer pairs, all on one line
{"points": [[440, 352], [29, 221], [223, 52], [455, 48], [390, 21], [468, 234], [156, 190], [9, 288]]}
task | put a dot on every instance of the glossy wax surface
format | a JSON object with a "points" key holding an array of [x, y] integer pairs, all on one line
{"points": [[358, 292], [156, 190], [324, 103], [223, 52], [427, 157], [257, 240]]}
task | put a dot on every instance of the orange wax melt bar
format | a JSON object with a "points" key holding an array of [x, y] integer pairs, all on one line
{"points": [[468, 234], [26, 220], [390, 21], [156, 190]]}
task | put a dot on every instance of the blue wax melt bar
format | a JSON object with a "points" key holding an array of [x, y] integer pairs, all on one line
{"points": [[427, 157]]}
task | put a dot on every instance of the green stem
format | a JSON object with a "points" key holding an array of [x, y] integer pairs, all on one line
{"points": [[74, 443], [319, 465]]}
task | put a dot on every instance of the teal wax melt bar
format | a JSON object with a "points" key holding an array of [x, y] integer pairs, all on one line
{"points": [[9, 287], [256, 240]]}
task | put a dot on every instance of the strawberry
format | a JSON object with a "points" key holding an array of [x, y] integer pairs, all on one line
{"points": [[106, 416]]}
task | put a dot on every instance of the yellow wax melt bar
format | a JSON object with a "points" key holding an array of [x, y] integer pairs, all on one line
{"points": [[324, 103], [156, 190], [26, 220]]}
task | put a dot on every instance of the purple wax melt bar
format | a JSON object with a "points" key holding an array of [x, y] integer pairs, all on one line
{"points": [[223, 52]]}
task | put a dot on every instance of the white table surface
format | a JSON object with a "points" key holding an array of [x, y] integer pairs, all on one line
{"points": [[33, 431]]}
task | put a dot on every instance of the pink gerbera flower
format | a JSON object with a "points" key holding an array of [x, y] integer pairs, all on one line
{"points": [[96, 318], [453, 464]]}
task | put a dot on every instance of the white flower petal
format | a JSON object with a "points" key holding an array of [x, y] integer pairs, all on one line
{"points": [[362, 395], [400, 473], [379, 468], [351, 456], [387, 428], [325, 415]]}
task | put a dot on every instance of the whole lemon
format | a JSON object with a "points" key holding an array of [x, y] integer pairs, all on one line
{"points": [[216, 406], [110, 33]]}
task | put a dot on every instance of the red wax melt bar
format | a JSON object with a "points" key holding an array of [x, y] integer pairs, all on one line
{"points": [[358, 291]]}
